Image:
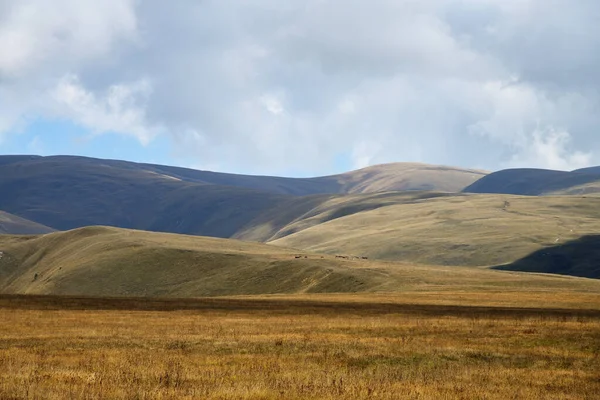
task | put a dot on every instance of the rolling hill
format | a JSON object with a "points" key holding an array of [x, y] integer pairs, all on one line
{"points": [[11, 224], [425, 227], [442, 229], [535, 182], [100, 261]]}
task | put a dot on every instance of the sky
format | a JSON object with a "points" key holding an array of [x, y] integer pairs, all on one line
{"points": [[303, 87]]}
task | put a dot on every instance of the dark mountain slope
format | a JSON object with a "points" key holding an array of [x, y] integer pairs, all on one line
{"points": [[532, 182], [379, 178], [579, 257], [589, 170], [11, 224], [66, 193]]}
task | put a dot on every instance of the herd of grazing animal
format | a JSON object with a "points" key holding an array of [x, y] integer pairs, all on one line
{"points": [[344, 257]]}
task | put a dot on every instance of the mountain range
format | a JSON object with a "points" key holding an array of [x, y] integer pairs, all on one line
{"points": [[407, 214]]}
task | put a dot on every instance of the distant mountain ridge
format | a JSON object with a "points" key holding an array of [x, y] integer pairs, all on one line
{"points": [[369, 217], [67, 192], [378, 178], [536, 182], [13, 225]]}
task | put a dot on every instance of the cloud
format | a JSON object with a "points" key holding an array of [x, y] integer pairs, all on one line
{"points": [[43, 42], [550, 149], [265, 86], [119, 110]]}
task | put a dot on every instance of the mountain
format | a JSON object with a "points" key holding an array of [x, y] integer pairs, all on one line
{"points": [[439, 229], [379, 178], [11, 224], [425, 227], [70, 192], [589, 170], [535, 182], [66, 192], [101, 261]]}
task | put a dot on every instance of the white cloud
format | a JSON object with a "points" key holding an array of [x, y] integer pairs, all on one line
{"points": [[269, 86], [120, 110], [549, 148], [43, 41], [272, 104]]}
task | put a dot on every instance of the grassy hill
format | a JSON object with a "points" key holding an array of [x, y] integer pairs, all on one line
{"points": [[99, 261], [442, 229], [534, 182], [434, 228], [11, 224]]}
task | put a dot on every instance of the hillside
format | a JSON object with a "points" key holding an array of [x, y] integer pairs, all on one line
{"points": [[69, 192], [467, 230], [534, 182], [378, 178], [66, 194], [11, 224], [99, 261], [403, 177], [579, 257]]}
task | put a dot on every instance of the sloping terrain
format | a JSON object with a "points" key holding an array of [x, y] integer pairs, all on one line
{"points": [[379, 178], [467, 230], [405, 176], [11, 224], [534, 182], [579, 257], [99, 261], [65, 192]]}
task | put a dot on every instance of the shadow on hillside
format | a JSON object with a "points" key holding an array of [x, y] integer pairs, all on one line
{"points": [[580, 257]]}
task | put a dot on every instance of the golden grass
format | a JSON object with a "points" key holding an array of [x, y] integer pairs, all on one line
{"points": [[304, 348]]}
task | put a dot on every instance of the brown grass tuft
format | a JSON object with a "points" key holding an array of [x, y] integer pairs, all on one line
{"points": [[309, 348]]}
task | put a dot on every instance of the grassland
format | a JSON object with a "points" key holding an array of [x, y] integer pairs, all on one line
{"points": [[443, 229], [332, 347], [100, 261]]}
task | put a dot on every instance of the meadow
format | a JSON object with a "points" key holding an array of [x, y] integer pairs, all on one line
{"points": [[412, 345]]}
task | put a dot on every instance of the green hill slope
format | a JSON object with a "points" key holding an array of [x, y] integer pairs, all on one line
{"points": [[468, 230], [98, 261]]}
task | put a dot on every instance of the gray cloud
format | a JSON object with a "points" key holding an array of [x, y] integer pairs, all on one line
{"points": [[266, 86]]}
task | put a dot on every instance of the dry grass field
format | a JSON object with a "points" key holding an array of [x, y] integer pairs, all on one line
{"points": [[414, 346]]}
